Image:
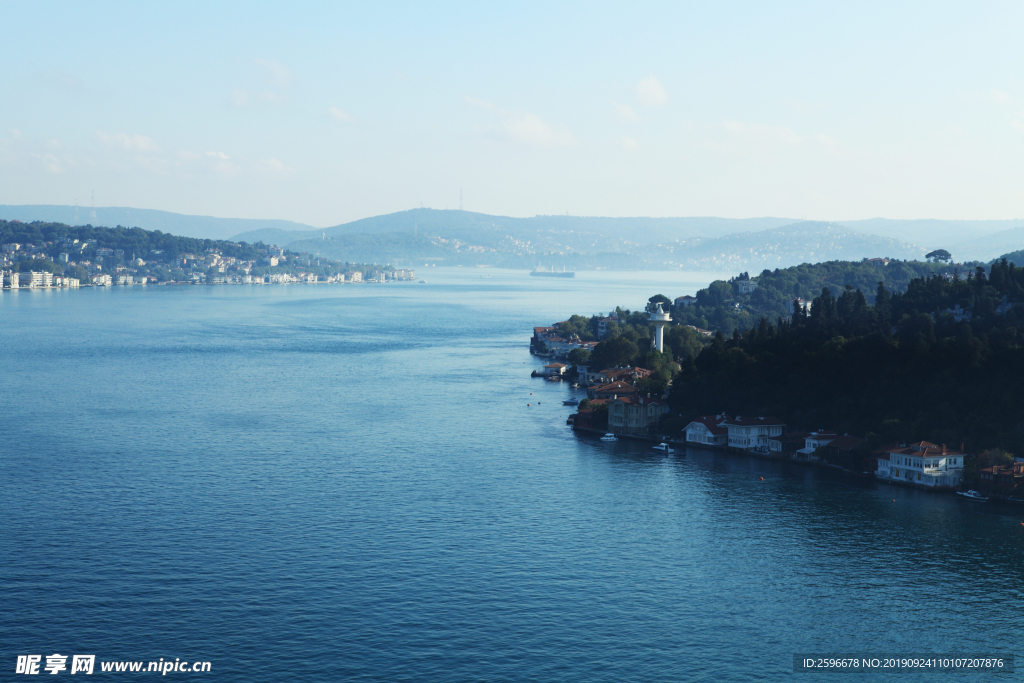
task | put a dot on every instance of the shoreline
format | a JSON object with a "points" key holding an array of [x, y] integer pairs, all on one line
{"points": [[735, 451]]}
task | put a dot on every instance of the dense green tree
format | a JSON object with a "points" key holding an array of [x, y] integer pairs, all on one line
{"points": [[653, 302], [939, 255], [577, 356], [941, 361], [39, 265], [615, 352], [721, 306]]}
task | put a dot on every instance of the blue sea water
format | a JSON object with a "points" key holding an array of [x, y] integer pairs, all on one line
{"points": [[346, 483]]}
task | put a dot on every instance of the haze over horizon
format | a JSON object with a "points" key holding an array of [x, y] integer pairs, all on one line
{"points": [[324, 114]]}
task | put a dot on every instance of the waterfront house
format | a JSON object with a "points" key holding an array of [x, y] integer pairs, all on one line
{"points": [[787, 443], [708, 430], [922, 464], [34, 279], [559, 347], [1001, 480], [556, 369], [538, 342], [635, 414], [752, 433], [812, 442]]}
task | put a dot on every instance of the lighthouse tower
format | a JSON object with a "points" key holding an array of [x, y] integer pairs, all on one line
{"points": [[660, 318]]}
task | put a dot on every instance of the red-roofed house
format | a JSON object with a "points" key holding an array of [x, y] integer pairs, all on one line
{"points": [[612, 390], [635, 414], [708, 430], [555, 369], [923, 464]]}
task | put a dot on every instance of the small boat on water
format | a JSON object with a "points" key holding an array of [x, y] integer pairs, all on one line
{"points": [[663, 447], [570, 402], [972, 495], [423, 282], [609, 437]]}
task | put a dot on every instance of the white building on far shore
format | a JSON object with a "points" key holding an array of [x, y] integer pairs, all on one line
{"points": [[741, 433], [708, 430], [922, 464]]}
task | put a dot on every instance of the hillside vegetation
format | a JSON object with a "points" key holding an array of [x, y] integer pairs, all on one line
{"points": [[942, 361], [721, 305]]}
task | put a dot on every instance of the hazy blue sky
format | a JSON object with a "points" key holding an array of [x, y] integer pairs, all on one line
{"points": [[327, 113]]}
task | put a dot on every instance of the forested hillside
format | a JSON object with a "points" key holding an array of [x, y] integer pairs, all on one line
{"points": [[942, 361], [721, 306], [133, 241]]}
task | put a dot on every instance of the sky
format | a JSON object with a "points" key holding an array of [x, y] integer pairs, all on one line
{"points": [[326, 113]]}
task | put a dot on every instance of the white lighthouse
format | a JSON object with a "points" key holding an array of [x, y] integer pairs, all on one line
{"points": [[660, 318]]}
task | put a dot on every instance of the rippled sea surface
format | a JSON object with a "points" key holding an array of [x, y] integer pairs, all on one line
{"points": [[345, 483]]}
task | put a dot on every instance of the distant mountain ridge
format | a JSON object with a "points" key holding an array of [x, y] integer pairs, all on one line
{"points": [[469, 238], [779, 247], [467, 225], [203, 227]]}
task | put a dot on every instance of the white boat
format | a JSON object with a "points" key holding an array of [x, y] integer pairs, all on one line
{"points": [[663, 447], [972, 495], [609, 437]]}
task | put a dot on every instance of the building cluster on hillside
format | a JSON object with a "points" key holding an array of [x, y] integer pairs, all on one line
{"points": [[102, 266], [630, 410], [548, 341], [617, 402]]}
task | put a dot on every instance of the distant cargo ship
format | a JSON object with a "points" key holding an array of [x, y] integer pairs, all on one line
{"points": [[542, 272]]}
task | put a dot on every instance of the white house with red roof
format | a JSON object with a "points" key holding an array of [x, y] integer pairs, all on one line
{"points": [[708, 430], [922, 464], [753, 433]]}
